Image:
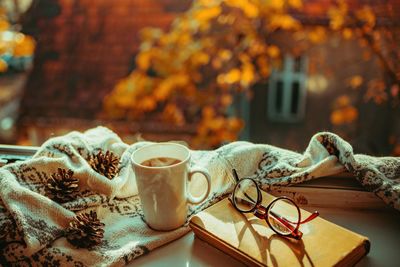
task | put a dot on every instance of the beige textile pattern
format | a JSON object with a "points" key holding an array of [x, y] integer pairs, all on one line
{"points": [[32, 226]]}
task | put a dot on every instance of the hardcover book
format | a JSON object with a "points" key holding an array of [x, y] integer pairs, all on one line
{"points": [[250, 240]]}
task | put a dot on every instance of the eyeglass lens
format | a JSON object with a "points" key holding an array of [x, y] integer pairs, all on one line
{"points": [[245, 195], [283, 216]]}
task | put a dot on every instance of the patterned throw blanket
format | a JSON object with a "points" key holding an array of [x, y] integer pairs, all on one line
{"points": [[63, 208]]}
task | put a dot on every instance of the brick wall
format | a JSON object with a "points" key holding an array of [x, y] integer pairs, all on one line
{"points": [[84, 47]]}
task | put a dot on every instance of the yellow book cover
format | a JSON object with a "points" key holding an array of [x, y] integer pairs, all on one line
{"points": [[250, 240]]}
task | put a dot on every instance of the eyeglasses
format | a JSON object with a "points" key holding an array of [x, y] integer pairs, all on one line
{"points": [[282, 214]]}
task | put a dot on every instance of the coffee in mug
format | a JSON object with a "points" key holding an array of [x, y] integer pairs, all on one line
{"points": [[160, 162], [162, 174]]}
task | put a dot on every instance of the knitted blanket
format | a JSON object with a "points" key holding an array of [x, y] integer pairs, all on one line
{"points": [[33, 226]]}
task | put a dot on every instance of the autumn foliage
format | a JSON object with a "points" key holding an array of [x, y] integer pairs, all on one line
{"points": [[12, 43], [379, 39], [219, 48], [191, 73]]}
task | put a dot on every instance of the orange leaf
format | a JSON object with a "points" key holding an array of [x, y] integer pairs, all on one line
{"points": [[367, 15], [226, 100], [318, 35], [248, 75], [355, 82], [225, 54], [232, 76], [394, 90], [174, 114], [201, 58], [396, 151], [4, 25], [248, 8], [148, 103], [337, 117], [263, 65], [347, 33], [3, 66], [296, 3], [337, 15], [342, 101], [276, 4], [376, 91], [235, 124], [273, 51], [205, 14], [143, 60], [350, 114], [283, 21], [24, 45], [208, 112]]}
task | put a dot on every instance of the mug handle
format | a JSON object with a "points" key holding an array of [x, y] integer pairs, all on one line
{"points": [[196, 200]]}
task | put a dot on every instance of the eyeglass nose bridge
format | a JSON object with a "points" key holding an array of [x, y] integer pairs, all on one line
{"points": [[260, 212]]}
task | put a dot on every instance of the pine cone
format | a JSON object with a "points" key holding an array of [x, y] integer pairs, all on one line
{"points": [[106, 165], [85, 231], [62, 187]]}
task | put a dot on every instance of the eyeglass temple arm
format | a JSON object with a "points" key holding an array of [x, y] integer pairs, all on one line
{"points": [[235, 175], [282, 220], [312, 216]]}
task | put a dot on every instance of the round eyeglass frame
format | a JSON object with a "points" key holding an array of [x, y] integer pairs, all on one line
{"points": [[263, 212]]}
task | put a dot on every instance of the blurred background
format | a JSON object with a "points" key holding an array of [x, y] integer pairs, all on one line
{"points": [[204, 71]]}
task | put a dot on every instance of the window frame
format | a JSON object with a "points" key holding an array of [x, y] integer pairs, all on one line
{"points": [[280, 106]]}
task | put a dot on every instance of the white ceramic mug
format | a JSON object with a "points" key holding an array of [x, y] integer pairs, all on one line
{"points": [[163, 191]]}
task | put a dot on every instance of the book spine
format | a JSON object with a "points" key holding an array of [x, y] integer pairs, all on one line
{"points": [[330, 198]]}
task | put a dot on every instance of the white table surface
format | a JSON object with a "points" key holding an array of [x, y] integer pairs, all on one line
{"points": [[381, 226]]}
